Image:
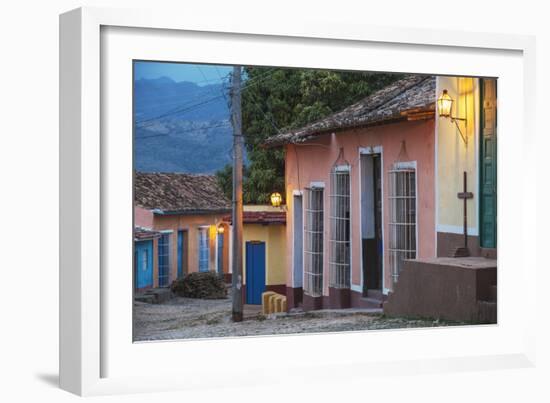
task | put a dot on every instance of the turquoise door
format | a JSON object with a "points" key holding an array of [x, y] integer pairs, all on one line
{"points": [[255, 272], [488, 165], [143, 264]]}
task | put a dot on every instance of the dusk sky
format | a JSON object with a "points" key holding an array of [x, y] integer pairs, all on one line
{"points": [[201, 74]]}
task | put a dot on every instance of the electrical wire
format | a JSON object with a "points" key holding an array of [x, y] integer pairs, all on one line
{"points": [[188, 106], [187, 131]]}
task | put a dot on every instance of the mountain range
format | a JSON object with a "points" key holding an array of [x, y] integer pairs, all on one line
{"points": [[180, 126]]}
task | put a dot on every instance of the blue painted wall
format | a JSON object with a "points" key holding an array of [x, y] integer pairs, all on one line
{"points": [[143, 264]]}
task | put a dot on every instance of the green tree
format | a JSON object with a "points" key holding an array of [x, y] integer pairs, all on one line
{"points": [[280, 99]]}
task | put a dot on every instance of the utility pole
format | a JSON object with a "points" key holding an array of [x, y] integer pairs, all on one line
{"points": [[237, 212]]}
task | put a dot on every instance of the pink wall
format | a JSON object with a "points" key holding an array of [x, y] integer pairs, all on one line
{"points": [[316, 158], [143, 217]]}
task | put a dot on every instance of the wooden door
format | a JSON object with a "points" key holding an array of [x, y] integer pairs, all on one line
{"points": [[143, 264], [255, 272]]}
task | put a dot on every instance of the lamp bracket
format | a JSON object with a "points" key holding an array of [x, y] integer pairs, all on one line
{"points": [[455, 121]]}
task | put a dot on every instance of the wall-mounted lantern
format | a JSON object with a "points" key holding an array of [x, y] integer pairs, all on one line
{"points": [[221, 229], [276, 199], [445, 108]]}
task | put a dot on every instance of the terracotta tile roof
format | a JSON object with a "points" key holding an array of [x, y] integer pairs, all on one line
{"points": [[412, 93], [142, 234], [179, 193], [261, 217]]}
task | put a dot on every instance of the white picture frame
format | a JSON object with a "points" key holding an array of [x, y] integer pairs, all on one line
{"points": [[94, 361]]}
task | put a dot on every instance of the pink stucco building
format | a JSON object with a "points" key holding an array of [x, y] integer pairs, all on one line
{"points": [[360, 196]]}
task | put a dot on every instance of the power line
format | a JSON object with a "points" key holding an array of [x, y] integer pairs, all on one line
{"points": [[204, 76], [178, 110], [186, 107], [222, 124]]}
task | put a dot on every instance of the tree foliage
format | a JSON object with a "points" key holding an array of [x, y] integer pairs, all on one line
{"points": [[280, 99]]}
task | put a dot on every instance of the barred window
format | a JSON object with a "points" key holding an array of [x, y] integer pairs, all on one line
{"points": [[313, 242], [204, 249], [402, 218], [339, 262], [164, 260]]}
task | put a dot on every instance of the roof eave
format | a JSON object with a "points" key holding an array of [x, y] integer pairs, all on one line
{"points": [[191, 211], [402, 117]]}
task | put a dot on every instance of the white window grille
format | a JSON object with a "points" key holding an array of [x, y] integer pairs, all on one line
{"points": [[339, 262], [402, 218], [313, 242], [164, 260], [204, 249]]}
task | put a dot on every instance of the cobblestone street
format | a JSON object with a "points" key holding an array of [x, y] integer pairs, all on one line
{"points": [[182, 318]]}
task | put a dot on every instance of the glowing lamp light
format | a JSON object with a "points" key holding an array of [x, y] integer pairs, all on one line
{"points": [[444, 107], [276, 199], [221, 229], [444, 104]]}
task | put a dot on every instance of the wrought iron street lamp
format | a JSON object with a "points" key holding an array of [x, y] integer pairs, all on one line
{"points": [[276, 199], [445, 108]]}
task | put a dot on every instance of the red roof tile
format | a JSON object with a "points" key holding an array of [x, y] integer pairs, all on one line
{"points": [[142, 234], [261, 217], [179, 193]]}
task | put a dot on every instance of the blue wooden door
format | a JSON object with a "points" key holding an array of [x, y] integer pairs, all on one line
{"points": [[255, 272], [143, 264], [180, 253], [220, 253]]}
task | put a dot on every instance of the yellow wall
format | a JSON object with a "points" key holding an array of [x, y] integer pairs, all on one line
{"points": [[454, 157], [275, 250]]}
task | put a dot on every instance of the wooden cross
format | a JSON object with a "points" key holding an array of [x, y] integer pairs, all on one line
{"points": [[464, 195]]}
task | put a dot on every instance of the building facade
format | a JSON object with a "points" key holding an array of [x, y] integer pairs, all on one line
{"points": [[475, 101], [264, 251], [187, 212], [376, 184]]}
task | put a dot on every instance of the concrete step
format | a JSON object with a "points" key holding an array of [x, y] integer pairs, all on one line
{"points": [[376, 294], [493, 293], [155, 295], [371, 303], [147, 298], [486, 312]]}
